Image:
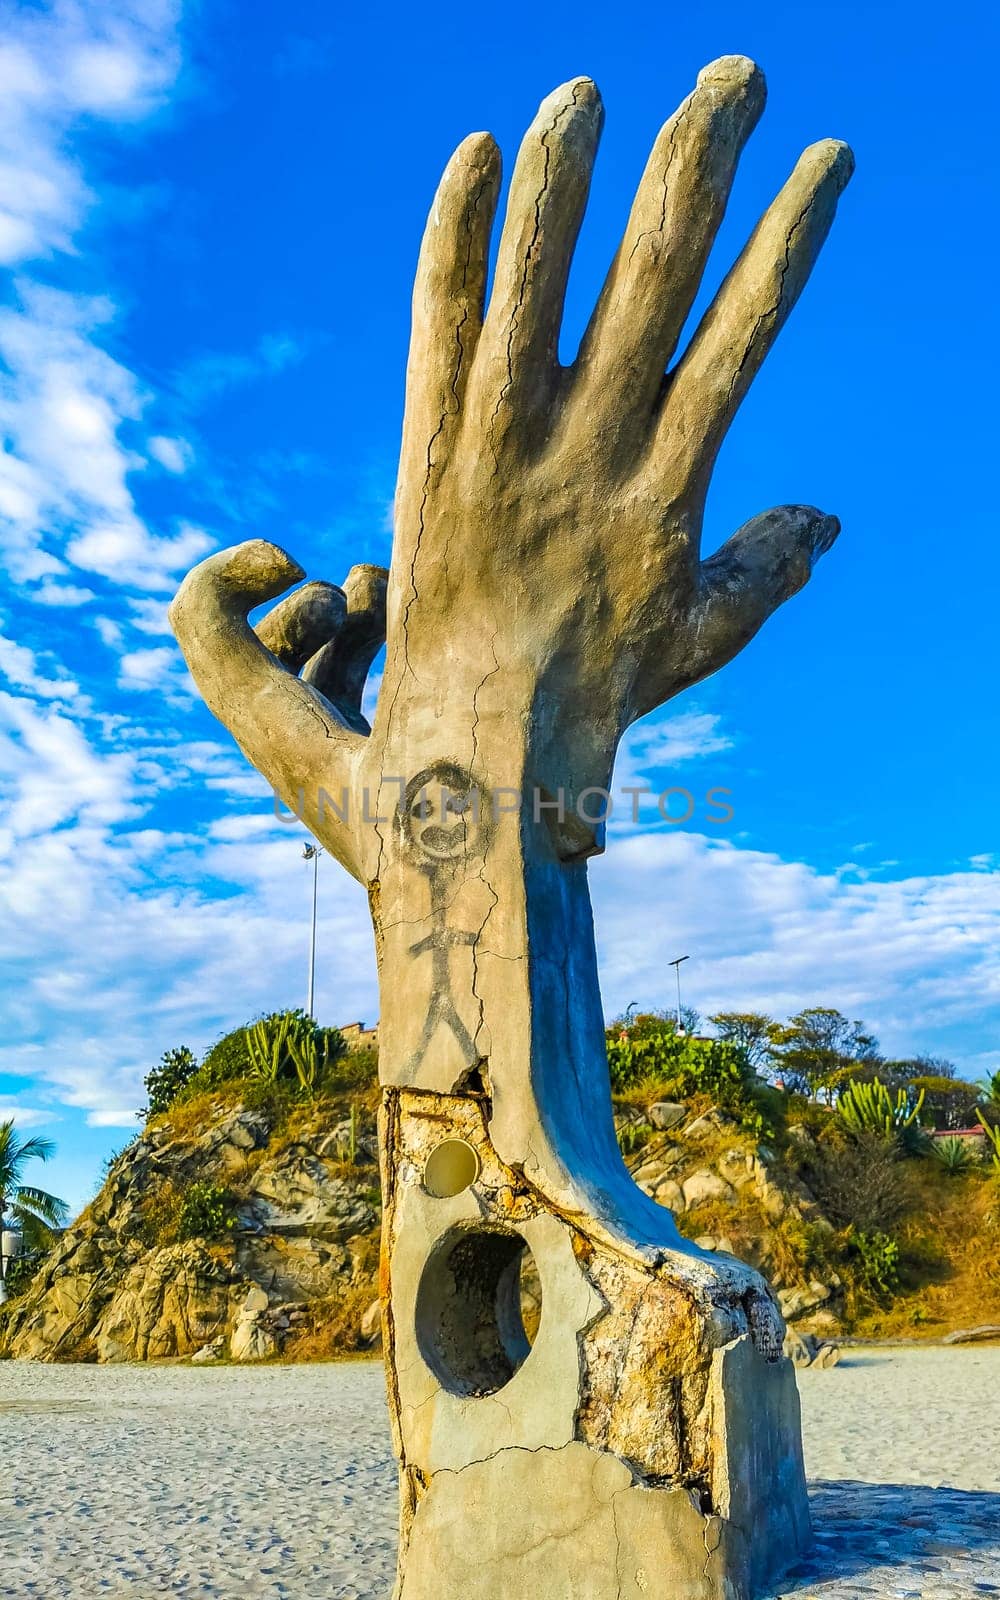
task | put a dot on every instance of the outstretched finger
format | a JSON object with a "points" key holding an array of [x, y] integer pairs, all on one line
{"points": [[518, 354], [746, 316], [448, 294], [654, 278]]}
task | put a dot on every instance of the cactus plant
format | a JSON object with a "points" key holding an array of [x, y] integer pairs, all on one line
{"points": [[347, 1149], [309, 1057], [268, 1046], [870, 1108], [993, 1135]]}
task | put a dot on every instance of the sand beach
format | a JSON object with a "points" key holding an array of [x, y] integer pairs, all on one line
{"points": [[277, 1483]]}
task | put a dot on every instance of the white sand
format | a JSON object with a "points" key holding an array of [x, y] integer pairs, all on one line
{"points": [[239, 1483]]}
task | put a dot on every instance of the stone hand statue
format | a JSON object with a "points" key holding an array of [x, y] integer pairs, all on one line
{"points": [[546, 590]]}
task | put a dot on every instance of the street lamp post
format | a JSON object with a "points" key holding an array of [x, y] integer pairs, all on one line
{"points": [[312, 852], [677, 973]]}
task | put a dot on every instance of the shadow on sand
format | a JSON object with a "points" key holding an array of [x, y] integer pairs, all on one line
{"points": [[951, 1535]]}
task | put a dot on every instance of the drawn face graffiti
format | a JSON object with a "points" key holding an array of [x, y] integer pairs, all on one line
{"points": [[444, 814]]}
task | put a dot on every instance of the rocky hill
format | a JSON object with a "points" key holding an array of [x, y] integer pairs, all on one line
{"points": [[244, 1223], [226, 1229], [247, 1232]]}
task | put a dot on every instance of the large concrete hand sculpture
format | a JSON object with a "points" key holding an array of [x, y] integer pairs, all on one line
{"points": [[546, 590]]}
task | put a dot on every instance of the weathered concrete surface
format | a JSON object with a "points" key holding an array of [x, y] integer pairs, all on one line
{"points": [[573, 1526], [546, 591]]}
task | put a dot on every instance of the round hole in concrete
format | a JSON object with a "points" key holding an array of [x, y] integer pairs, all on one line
{"points": [[478, 1308], [451, 1167]]}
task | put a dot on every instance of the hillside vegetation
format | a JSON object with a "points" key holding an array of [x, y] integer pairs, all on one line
{"points": [[243, 1222]]}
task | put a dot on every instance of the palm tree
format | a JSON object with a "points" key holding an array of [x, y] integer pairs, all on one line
{"points": [[990, 1087], [33, 1209]]}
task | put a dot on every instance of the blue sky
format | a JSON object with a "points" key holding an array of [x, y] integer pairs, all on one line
{"points": [[208, 223]]}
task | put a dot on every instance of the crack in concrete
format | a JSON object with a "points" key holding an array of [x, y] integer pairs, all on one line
{"points": [[649, 233], [773, 311], [525, 273], [429, 467], [477, 997]]}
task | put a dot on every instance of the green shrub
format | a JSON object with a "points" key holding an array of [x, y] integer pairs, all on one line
{"points": [[165, 1082], [226, 1059], [263, 1052], [354, 1069], [953, 1154], [680, 1068], [268, 1050], [290, 1045], [19, 1273], [877, 1255], [632, 1136], [205, 1212]]}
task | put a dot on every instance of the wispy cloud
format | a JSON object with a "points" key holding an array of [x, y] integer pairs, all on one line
{"points": [[68, 595], [66, 404], [215, 372], [774, 935], [147, 669], [59, 63], [176, 455], [19, 665]]}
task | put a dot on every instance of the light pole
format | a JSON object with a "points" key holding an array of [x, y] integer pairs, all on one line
{"points": [[312, 852], [677, 973]]}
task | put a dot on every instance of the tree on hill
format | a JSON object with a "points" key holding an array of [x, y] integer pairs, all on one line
{"points": [[34, 1210], [751, 1031], [164, 1083], [819, 1049]]}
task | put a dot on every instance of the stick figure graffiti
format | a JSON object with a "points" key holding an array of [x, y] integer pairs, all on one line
{"points": [[444, 821]]}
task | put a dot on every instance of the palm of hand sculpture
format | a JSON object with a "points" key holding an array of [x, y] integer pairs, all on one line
{"points": [[546, 590]]}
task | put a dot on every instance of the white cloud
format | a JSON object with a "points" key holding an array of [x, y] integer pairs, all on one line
{"points": [[64, 401], [19, 666], [689, 736], [61, 594], [175, 455], [146, 669], [145, 956], [149, 616], [110, 632], [108, 58], [126, 552], [645, 759], [25, 1116], [51, 776], [918, 958]]}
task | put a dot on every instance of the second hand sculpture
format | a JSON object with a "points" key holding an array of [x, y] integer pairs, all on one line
{"points": [[546, 591]]}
